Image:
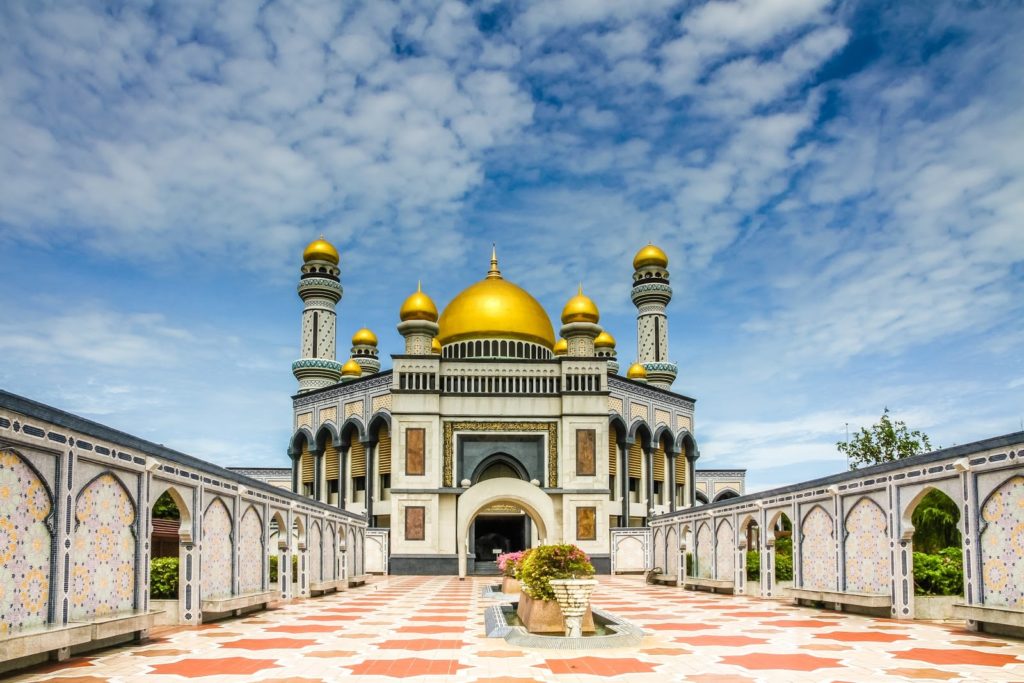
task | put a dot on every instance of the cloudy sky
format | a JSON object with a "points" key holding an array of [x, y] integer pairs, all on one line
{"points": [[839, 187]]}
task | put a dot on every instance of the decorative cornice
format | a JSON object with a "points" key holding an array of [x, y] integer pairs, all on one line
{"points": [[318, 282], [357, 387], [653, 287], [320, 363], [629, 387]]}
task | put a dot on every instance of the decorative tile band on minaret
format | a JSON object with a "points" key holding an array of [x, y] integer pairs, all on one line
{"points": [[320, 290], [651, 295]]}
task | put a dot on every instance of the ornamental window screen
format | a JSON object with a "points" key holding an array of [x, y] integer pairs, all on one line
{"points": [[680, 469], [332, 460], [358, 460], [306, 464], [636, 455], [613, 453], [658, 471], [384, 450]]}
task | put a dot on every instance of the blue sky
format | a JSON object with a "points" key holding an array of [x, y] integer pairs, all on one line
{"points": [[839, 187]]}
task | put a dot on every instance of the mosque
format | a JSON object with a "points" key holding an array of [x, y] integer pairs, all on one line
{"points": [[489, 434]]}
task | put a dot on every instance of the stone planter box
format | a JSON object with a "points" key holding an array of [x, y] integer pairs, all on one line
{"points": [[167, 612], [510, 586], [545, 616], [938, 607]]}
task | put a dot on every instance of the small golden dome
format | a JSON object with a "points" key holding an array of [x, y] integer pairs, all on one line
{"points": [[636, 371], [650, 256], [561, 347], [364, 337], [494, 308], [418, 306], [320, 250], [351, 369], [604, 341], [580, 309], [435, 346]]}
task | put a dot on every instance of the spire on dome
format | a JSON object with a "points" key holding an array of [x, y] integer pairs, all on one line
{"points": [[494, 273]]}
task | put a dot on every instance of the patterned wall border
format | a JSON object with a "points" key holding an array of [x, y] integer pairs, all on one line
{"points": [[550, 427]]}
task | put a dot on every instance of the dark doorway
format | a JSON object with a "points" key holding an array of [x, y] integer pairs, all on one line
{"points": [[506, 533]]}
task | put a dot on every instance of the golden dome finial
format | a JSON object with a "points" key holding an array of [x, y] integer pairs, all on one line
{"points": [[320, 250], [351, 369], [580, 309], [561, 347], [435, 346], [637, 372], [364, 337], [494, 273], [650, 256], [604, 341], [418, 306]]}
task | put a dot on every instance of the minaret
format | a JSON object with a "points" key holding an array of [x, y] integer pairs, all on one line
{"points": [[320, 290], [651, 294], [579, 325], [364, 351], [419, 323], [604, 347]]}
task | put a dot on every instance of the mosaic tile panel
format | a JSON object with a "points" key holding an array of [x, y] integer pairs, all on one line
{"points": [[867, 549], [216, 555], [725, 555], [1002, 545], [330, 555], [704, 551], [103, 573], [250, 552], [817, 551], [382, 402], [615, 404], [24, 546], [315, 554]]}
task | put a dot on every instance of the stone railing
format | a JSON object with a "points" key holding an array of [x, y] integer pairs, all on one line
{"points": [[852, 537], [76, 526]]}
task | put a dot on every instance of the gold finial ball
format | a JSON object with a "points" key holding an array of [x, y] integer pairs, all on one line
{"points": [[650, 256], [561, 347], [636, 371], [604, 341], [435, 346], [580, 309], [351, 369], [418, 306], [364, 337], [320, 250]]}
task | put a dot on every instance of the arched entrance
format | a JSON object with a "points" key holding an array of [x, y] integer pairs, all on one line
{"points": [[504, 491]]}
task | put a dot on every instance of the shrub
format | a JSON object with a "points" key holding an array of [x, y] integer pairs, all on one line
{"points": [[163, 578], [753, 565], [939, 574], [547, 562], [272, 562], [784, 559], [689, 564], [510, 563]]}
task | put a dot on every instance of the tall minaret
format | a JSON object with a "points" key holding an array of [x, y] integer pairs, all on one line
{"points": [[651, 294], [320, 291]]}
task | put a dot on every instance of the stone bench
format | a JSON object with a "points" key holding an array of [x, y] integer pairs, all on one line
{"points": [[665, 580], [327, 586], [236, 603], [57, 641], [356, 581], [841, 598], [713, 585], [985, 614]]}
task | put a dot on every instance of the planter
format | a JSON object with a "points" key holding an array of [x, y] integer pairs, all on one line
{"points": [[545, 616], [510, 586], [573, 596]]}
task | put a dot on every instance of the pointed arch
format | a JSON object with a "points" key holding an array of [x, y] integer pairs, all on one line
{"points": [[817, 550], [866, 548], [640, 428], [664, 438], [704, 550], [686, 444], [216, 558], [27, 553], [251, 551], [103, 576], [725, 551], [1001, 541], [352, 423], [377, 420], [302, 437], [316, 552], [326, 434], [616, 422]]}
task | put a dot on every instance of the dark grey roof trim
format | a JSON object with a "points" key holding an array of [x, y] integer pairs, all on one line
{"points": [[56, 416]]}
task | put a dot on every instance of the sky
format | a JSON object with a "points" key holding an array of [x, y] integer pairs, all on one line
{"points": [[839, 187]]}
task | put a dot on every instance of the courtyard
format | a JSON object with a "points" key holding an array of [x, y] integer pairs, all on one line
{"points": [[432, 629]]}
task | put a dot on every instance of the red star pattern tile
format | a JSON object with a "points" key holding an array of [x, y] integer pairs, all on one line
{"points": [[406, 667], [599, 666], [225, 666], [795, 662], [957, 656]]}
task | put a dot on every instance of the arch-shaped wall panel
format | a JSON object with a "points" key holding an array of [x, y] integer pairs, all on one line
{"points": [[725, 552], [251, 554], [217, 550], [817, 550], [1002, 545], [867, 549], [704, 551], [103, 575]]}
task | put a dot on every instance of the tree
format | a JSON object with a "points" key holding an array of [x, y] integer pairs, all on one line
{"points": [[166, 508], [886, 441]]}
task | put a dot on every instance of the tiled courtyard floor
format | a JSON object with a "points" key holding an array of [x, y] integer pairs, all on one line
{"points": [[431, 628]]}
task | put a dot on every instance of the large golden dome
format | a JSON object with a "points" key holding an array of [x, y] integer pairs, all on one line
{"points": [[494, 308], [320, 250], [650, 256], [580, 309], [418, 306]]}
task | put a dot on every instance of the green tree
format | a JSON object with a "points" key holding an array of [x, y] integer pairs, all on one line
{"points": [[166, 508], [934, 521], [886, 441]]}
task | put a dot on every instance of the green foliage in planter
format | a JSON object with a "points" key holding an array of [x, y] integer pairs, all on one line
{"points": [[295, 568], [689, 564], [753, 565], [272, 561], [273, 568], [784, 559], [163, 578], [547, 562], [939, 574]]}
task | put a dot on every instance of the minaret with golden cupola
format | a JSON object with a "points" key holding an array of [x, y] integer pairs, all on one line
{"points": [[604, 347], [579, 325], [651, 294], [320, 290], [418, 323], [364, 351]]}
